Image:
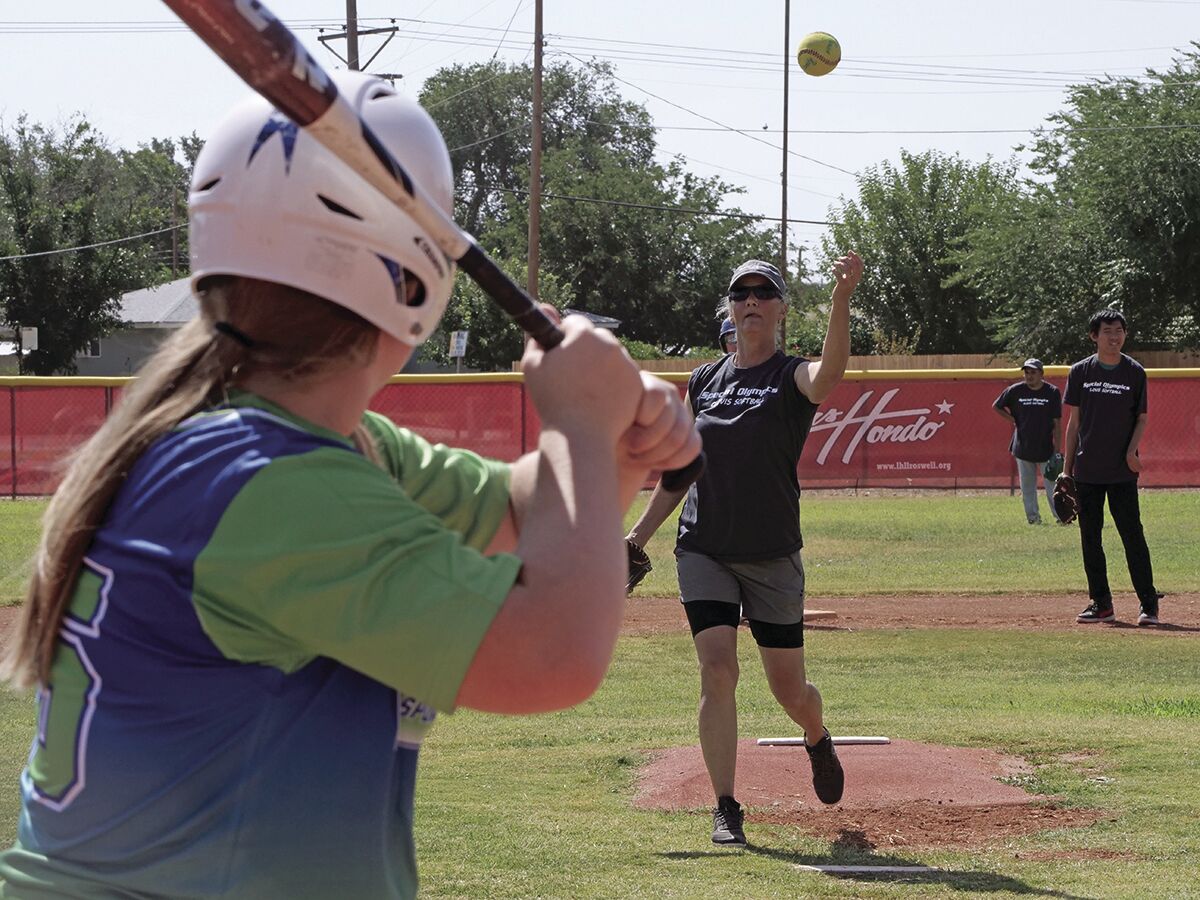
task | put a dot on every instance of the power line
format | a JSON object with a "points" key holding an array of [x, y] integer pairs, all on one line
{"points": [[520, 4], [649, 49], [492, 137], [135, 237], [713, 165], [662, 208], [137, 25], [715, 122], [804, 131]]}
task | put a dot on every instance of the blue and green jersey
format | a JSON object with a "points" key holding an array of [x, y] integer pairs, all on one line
{"points": [[264, 627]]}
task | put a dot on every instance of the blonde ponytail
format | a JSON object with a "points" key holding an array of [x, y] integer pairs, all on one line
{"points": [[191, 372]]}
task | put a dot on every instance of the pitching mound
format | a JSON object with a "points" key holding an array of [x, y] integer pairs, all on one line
{"points": [[902, 794]]}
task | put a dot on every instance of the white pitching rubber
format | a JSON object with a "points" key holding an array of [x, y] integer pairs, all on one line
{"points": [[845, 739]]}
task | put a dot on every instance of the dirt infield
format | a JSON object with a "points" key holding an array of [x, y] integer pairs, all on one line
{"points": [[1179, 613], [903, 794]]}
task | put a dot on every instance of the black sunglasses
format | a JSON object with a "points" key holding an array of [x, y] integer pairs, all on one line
{"points": [[760, 292]]}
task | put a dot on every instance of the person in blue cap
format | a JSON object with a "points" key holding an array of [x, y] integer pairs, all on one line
{"points": [[728, 336], [1033, 407]]}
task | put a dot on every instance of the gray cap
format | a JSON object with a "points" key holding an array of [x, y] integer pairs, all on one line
{"points": [[1034, 364], [758, 267]]}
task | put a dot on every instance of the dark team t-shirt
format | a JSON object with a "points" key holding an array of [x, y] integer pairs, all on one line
{"points": [[1035, 413], [746, 505], [1109, 403]]}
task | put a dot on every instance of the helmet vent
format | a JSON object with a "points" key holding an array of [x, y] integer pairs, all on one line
{"points": [[208, 185], [418, 295], [334, 206]]}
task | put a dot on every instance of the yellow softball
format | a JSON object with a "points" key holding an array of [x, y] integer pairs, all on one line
{"points": [[819, 53]]}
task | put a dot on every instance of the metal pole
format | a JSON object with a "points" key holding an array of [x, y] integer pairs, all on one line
{"points": [[535, 159], [783, 229], [175, 231], [352, 34]]}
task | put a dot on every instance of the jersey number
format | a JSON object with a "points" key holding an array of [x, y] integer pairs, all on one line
{"points": [[66, 705]]}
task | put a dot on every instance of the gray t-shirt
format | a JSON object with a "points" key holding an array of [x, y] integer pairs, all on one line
{"points": [[746, 505]]}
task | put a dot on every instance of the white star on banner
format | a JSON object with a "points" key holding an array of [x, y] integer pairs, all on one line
{"points": [[944, 408]]}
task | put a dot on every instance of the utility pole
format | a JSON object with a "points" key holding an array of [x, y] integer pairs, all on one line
{"points": [[783, 228], [535, 157], [352, 34], [175, 231]]}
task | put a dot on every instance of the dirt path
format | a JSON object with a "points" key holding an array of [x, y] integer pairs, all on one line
{"points": [[1180, 613]]}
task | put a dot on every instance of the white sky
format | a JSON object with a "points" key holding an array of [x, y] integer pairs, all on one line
{"points": [[950, 66]]}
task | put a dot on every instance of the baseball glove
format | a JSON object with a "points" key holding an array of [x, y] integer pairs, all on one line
{"points": [[1054, 466], [639, 566], [1066, 503]]}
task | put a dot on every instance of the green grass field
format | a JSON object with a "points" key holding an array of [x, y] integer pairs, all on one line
{"points": [[942, 543], [540, 806]]}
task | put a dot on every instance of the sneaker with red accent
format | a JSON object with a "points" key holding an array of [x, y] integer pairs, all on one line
{"points": [[828, 778], [1096, 613]]}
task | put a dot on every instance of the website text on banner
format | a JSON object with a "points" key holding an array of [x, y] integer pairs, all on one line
{"points": [[892, 431], [931, 433]]}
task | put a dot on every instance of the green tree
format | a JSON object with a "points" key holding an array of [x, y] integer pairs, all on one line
{"points": [[494, 341], [484, 112], [607, 230], [660, 272], [1110, 221], [906, 224], [70, 190]]}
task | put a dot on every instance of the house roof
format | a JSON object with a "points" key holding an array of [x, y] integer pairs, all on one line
{"points": [[167, 305], [595, 318], [172, 304]]}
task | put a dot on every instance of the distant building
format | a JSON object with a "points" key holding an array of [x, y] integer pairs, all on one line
{"points": [[148, 317], [599, 321]]}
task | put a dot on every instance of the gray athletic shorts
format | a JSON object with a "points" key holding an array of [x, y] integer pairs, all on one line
{"points": [[769, 590]]}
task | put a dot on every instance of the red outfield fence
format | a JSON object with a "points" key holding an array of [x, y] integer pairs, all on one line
{"points": [[895, 429]]}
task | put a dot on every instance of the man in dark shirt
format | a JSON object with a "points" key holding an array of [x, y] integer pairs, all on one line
{"points": [[1106, 394], [1034, 407]]}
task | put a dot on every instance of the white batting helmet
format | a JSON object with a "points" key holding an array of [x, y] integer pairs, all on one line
{"points": [[268, 201]]}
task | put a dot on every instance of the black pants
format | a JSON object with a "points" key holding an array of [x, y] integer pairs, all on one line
{"points": [[1123, 503]]}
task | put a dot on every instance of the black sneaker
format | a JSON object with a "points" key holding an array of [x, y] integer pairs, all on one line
{"points": [[1149, 613], [1096, 613], [727, 823], [828, 778]]}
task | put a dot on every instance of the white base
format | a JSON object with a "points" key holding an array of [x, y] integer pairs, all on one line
{"points": [[811, 615], [867, 870], [847, 739]]}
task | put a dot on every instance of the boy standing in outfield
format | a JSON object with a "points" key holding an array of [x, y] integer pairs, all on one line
{"points": [[1107, 396], [1034, 407]]}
